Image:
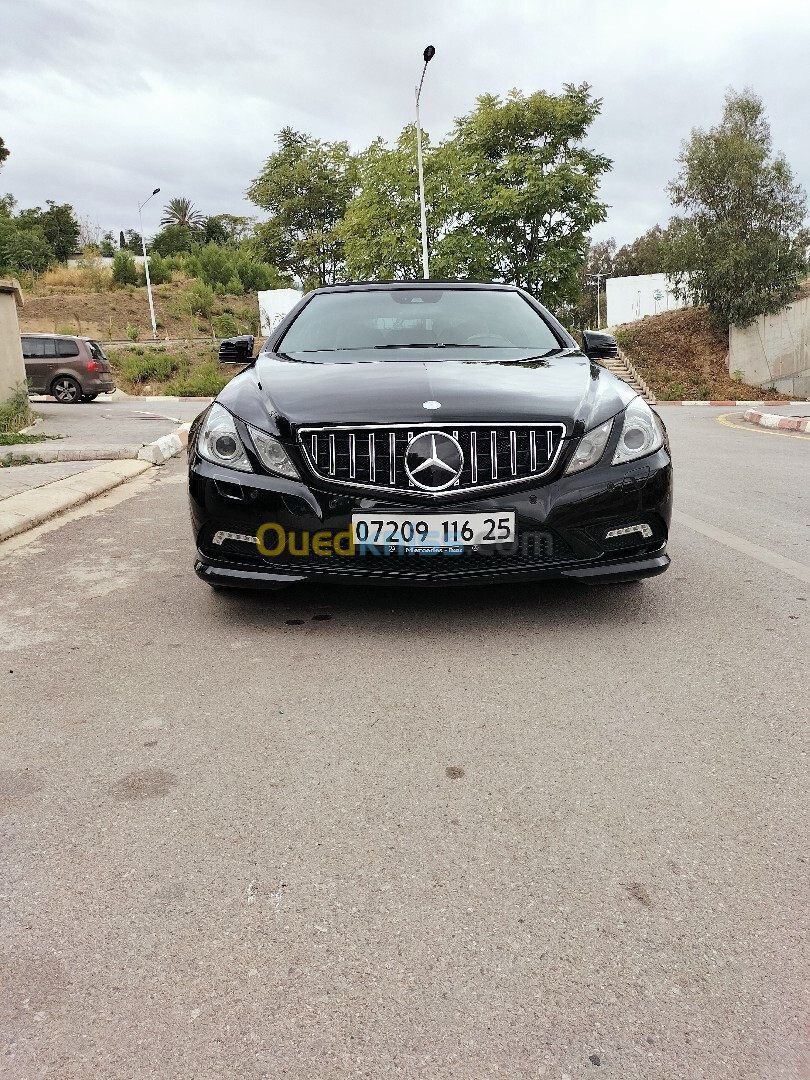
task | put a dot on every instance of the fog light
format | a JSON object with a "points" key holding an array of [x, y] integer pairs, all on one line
{"points": [[643, 530]]}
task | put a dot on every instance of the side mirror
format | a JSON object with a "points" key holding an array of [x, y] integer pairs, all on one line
{"points": [[599, 346], [236, 350]]}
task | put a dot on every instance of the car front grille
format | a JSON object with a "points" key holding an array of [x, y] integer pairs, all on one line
{"points": [[374, 456]]}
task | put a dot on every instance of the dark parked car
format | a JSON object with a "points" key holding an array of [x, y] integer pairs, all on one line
{"points": [[71, 369], [428, 434]]}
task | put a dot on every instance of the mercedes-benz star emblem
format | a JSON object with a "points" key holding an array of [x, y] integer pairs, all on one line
{"points": [[433, 460]]}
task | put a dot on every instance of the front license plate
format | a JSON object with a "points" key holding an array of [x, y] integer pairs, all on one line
{"points": [[426, 531]]}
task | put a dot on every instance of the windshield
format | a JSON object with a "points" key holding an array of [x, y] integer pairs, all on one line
{"points": [[391, 319]]}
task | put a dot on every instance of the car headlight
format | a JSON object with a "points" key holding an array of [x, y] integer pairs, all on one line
{"points": [[640, 433], [590, 448], [219, 440], [272, 454]]}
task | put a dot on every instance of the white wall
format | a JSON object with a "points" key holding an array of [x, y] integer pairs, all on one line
{"points": [[100, 260], [775, 350], [631, 298], [274, 305]]}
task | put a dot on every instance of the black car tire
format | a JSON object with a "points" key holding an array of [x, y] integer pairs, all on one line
{"points": [[89, 397], [66, 390]]}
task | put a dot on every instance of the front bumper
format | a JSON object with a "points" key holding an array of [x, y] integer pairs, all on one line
{"points": [[561, 527]]}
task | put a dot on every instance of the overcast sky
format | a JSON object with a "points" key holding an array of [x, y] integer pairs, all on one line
{"points": [[103, 100]]}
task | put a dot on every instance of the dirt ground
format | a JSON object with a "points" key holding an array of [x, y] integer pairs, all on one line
{"points": [[682, 356], [106, 315]]}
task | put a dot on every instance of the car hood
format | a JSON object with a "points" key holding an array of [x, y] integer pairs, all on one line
{"points": [[279, 393]]}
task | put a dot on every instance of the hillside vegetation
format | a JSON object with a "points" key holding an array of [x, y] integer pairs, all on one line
{"points": [[183, 309], [682, 356]]}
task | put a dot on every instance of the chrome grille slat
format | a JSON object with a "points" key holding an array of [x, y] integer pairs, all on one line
{"points": [[355, 457]]}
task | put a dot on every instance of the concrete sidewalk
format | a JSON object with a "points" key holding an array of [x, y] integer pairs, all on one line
{"points": [[65, 472]]}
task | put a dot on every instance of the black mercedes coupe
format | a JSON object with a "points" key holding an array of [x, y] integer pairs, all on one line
{"points": [[427, 433]]}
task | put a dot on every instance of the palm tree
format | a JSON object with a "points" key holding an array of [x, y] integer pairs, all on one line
{"points": [[182, 212]]}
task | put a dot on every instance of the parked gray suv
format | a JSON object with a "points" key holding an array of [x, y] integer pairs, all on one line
{"points": [[71, 369]]}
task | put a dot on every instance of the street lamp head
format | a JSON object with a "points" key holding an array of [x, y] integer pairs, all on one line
{"points": [[428, 54], [157, 189]]}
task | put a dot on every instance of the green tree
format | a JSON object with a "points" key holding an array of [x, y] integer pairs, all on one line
{"points": [[741, 245], [174, 240], [23, 248], [4, 152], [647, 254], [124, 271], [381, 227], [228, 229], [131, 241], [529, 187], [181, 212], [107, 245], [305, 186], [58, 224]]}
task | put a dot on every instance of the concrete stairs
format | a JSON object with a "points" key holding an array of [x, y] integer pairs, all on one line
{"points": [[622, 366]]}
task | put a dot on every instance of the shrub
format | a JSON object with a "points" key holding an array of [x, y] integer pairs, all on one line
{"points": [[225, 325], [249, 322], [159, 271], [15, 412], [198, 299], [203, 380], [124, 271], [146, 365], [133, 332]]}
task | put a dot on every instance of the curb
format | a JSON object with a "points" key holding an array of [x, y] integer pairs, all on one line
{"points": [[25, 511], [774, 420], [731, 404], [30, 508], [167, 446], [158, 452]]}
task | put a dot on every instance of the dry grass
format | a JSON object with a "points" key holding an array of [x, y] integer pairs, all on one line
{"points": [[88, 277], [105, 315], [681, 356]]}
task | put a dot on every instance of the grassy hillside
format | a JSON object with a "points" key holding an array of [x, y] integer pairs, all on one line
{"points": [[681, 356], [182, 309]]}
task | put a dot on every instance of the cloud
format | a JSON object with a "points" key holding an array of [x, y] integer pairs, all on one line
{"points": [[102, 101]]}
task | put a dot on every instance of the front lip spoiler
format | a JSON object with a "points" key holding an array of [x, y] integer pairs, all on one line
{"points": [[604, 573]]}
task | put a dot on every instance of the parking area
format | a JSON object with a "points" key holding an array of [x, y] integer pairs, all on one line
{"points": [[528, 831]]}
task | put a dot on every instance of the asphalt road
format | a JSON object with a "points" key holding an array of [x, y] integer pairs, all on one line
{"points": [[547, 831]]}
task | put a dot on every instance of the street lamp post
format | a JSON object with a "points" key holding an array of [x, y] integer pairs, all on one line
{"points": [[427, 56], [146, 264], [598, 279]]}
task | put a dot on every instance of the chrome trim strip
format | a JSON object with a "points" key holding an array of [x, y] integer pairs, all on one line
{"points": [[473, 457], [493, 454], [372, 456], [513, 450], [532, 451], [331, 455], [352, 462], [392, 457], [549, 444], [315, 449]]}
